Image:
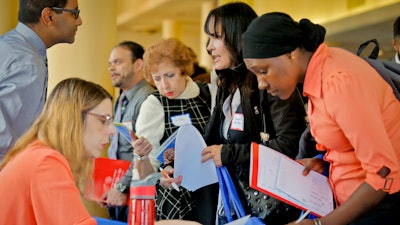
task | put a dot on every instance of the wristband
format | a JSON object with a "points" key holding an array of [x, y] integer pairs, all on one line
{"points": [[121, 188], [138, 157]]}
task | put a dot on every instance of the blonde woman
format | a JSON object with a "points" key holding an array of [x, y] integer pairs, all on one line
{"points": [[43, 175]]}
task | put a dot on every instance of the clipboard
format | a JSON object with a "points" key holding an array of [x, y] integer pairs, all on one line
{"points": [[276, 174]]}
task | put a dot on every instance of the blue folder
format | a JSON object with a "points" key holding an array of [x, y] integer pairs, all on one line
{"points": [[102, 221]]}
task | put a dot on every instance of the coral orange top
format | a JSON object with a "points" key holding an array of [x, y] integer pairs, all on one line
{"points": [[354, 114], [37, 187]]}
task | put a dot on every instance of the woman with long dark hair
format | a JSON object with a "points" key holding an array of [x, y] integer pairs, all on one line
{"points": [[243, 114]]}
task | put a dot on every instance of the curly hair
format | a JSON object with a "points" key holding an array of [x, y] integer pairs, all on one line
{"points": [[167, 50]]}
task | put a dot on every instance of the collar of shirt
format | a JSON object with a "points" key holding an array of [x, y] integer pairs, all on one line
{"points": [[131, 92], [32, 38], [192, 90], [313, 78], [396, 58]]}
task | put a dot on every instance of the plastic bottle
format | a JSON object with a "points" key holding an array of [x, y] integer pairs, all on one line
{"points": [[142, 194]]}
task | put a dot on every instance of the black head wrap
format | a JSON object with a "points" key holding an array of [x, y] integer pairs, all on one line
{"points": [[274, 34]]}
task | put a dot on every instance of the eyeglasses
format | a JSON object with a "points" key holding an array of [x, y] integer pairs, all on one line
{"points": [[105, 119], [73, 11]]}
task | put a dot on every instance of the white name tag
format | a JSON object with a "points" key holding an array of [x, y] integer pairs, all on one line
{"points": [[237, 122], [180, 120]]}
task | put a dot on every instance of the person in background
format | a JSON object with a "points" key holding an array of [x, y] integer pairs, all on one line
{"points": [[242, 113], [43, 175], [200, 73], [353, 113], [23, 62], [168, 64], [126, 71], [396, 40]]}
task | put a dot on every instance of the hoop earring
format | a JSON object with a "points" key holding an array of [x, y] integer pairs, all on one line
{"points": [[290, 56]]}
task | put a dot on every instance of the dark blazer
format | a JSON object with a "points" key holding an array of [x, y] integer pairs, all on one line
{"points": [[283, 120]]}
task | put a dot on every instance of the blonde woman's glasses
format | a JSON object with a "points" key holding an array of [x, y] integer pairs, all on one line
{"points": [[105, 119]]}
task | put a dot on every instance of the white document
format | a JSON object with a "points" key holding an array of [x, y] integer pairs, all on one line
{"points": [[189, 144], [241, 221], [276, 174]]}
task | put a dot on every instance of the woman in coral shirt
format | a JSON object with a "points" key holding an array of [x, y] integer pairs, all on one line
{"points": [[43, 175], [354, 115]]}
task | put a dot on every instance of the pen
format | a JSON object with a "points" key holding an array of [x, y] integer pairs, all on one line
{"points": [[304, 215], [165, 174]]}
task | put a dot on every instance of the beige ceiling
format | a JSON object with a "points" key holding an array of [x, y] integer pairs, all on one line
{"points": [[348, 22], [147, 15]]}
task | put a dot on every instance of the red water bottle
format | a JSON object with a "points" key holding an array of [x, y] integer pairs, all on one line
{"points": [[142, 205], [142, 209]]}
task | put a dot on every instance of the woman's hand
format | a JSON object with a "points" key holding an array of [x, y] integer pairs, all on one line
{"points": [[212, 152], [167, 182], [142, 146], [311, 164]]}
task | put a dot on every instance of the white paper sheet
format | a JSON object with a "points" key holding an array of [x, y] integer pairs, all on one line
{"points": [[241, 221], [189, 144], [281, 176]]}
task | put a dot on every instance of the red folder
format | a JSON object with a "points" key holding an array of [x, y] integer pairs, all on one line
{"points": [[106, 173]]}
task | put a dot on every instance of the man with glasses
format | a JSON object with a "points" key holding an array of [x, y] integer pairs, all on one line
{"points": [[23, 62], [126, 71]]}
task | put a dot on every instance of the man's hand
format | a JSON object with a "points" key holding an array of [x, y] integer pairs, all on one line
{"points": [[115, 198]]}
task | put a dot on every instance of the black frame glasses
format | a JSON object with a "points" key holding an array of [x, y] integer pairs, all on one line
{"points": [[105, 119], [73, 11]]}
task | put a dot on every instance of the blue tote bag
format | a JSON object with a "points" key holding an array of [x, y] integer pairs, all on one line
{"points": [[229, 195]]}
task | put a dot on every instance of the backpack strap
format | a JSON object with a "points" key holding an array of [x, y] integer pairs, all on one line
{"points": [[390, 72], [375, 52]]}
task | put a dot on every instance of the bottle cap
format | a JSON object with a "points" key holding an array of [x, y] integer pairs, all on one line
{"points": [[143, 192]]}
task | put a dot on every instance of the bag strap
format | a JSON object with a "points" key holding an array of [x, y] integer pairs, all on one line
{"points": [[224, 195], [233, 193], [228, 192], [375, 52]]}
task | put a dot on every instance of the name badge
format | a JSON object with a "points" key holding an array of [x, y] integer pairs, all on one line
{"points": [[237, 122], [180, 120]]}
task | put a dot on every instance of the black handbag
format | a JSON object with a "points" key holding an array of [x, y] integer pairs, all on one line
{"points": [[269, 209]]}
